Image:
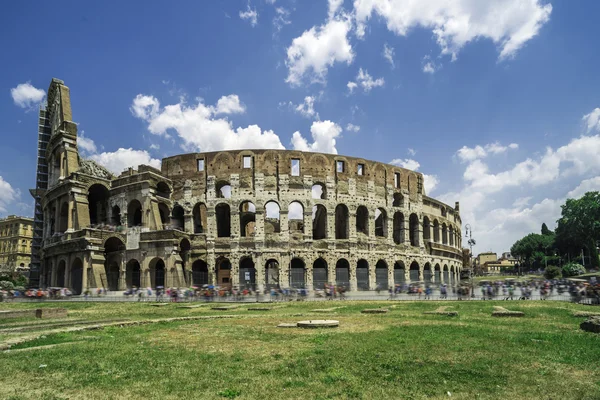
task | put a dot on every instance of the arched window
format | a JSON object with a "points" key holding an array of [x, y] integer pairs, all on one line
{"points": [[134, 213], [444, 234], [178, 219], [98, 204], [426, 229], [342, 273], [436, 231], [399, 276], [381, 222], [296, 217], [199, 216], [247, 219], [163, 190], [341, 222], [64, 217], [223, 214], [319, 191], [362, 220], [414, 272], [297, 274], [451, 237], [381, 275], [133, 274], [247, 274], [319, 219], [272, 217], [319, 273], [223, 190], [362, 274], [414, 230], [398, 227]]}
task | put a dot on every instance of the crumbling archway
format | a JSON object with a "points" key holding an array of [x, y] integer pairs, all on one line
{"points": [[414, 272], [134, 213], [381, 275], [297, 273], [362, 220], [381, 222], [319, 218], [223, 214], [398, 227], [133, 274], [342, 273], [362, 274], [98, 204], [178, 218], [341, 222], [247, 219], [319, 273], [414, 230]]}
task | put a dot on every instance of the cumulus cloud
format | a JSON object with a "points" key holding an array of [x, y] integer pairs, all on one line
{"points": [[388, 54], [334, 6], [8, 195], [282, 18], [324, 134], [429, 68], [467, 154], [86, 145], [199, 127], [120, 160], [311, 54], [250, 15], [27, 96], [365, 81], [592, 120], [307, 108], [430, 182], [508, 23], [352, 128], [407, 163]]}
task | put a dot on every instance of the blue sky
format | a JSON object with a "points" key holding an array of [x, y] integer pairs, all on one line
{"points": [[496, 102]]}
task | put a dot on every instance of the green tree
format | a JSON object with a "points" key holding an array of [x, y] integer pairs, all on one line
{"points": [[552, 272], [579, 226], [533, 249], [572, 269], [545, 230]]}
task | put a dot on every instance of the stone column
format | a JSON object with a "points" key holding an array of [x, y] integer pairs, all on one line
{"points": [[284, 225], [406, 230], [309, 276], [308, 226], [235, 223], [352, 225], [211, 266], [122, 285], [420, 227], [284, 271], [353, 281], [421, 273], [259, 223], [372, 277], [259, 266], [188, 223]]}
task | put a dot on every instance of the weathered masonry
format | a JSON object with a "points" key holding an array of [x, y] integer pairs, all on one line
{"points": [[248, 218]]}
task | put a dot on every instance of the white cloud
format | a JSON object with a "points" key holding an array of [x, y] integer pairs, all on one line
{"points": [[154, 147], [430, 182], [468, 154], [334, 6], [199, 127], [282, 18], [388, 54], [26, 96], [587, 185], [429, 68], [118, 161], [365, 81], [8, 195], [411, 152], [307, 108], [352, 128], [311, 54], [508, 23], [592, 120], [324, 134], [250, 15], [86, 145], [406, 163]]}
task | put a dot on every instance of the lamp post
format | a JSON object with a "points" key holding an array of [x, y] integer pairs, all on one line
{"points": [[471, 242]]}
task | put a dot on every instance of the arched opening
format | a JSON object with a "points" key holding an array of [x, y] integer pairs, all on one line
{"points": [[446, 274], [444, 234], [163, 190], [60, 273], [272, 218], [199, 273], [380, 222], [451, 236], [177, 218], [319, 273], [362, 220], [437, 273], [341, 222], [199, 217], [452, 275], [272, 274], [224, 273], [297, 274], [134, 214], [398, 227], [399, 272], [115, 218], [296, 217], [77, 276], [414, 230], [98, 204], [436, 231], [112, 245], [223, 190], [64, 217], [362, 274], [247, 274], [185, 248], [164, 213], [319, 219], [342, 273], [247, 219], [427, 273], [426, 229], [133, 274], [414, 272], [381, 275], [112, 276], [319, 191], [157, 273], [223, 215], [398, 200]]}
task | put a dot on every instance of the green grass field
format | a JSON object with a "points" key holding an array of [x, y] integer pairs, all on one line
{"points": [[403, 354]]}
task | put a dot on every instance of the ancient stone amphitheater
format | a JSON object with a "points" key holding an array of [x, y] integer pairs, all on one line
{"points": [[247, 218]]}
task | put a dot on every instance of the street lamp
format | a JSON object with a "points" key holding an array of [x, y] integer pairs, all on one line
{"points": [[471, 242]]}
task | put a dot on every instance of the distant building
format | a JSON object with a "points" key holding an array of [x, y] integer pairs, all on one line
{"points": [[487, 262], [16, 234]]}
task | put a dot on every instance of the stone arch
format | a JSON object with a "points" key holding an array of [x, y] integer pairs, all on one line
{"points": [[320, 278], [414, 272], [362, 220], [76, 276], [157, 273], [223, 190], [272, 217], [223, 217], [342, 273], [178, 218], [247, 273], [223, 267], [381, 222], [272, 273], [414, 230], [319, 220], [98, 196], [398, 227], [199, 273], [427, 273], [296, 217], [297, 273], [319, 191], [164, 212], [163, 190], [247, 219], [342, 230], [451, 236], [426, 228], [437, 273], [134, 213], [446, 273], [381, 275], [133, 274], [398, 200], [444, 234], [199, 216], [113, 273], [60, 273], [113, 244], [399, 272], [436, 231], [362, 274]]}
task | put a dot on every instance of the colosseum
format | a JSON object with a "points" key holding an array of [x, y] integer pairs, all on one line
{"points": [[242, 218]]}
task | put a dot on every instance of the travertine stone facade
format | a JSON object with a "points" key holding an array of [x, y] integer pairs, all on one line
{"points": [[15, 243], [254, 218]]}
